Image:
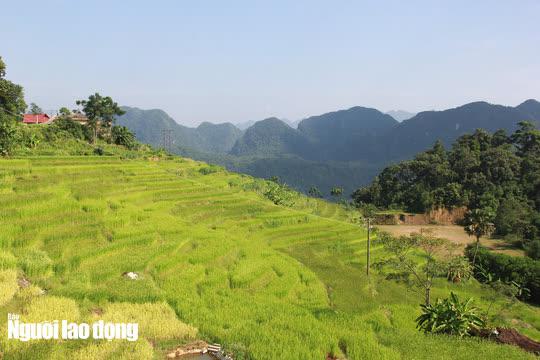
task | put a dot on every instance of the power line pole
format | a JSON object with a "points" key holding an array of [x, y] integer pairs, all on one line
{"points": [[166, 139], [368, 213], [368, 254]]}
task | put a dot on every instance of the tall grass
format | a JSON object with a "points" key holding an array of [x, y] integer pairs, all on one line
{"points": [[8, 285]]}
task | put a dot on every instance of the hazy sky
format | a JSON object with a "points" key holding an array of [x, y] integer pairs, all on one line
{"points": [[246, 60]]}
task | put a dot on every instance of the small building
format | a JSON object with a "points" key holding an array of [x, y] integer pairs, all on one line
{"points": [[79, 118], [36, 119]]}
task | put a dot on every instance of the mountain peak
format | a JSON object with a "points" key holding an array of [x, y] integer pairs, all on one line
{"points": [[530, 110], [271, 121], [209, 125], [529, 102]]}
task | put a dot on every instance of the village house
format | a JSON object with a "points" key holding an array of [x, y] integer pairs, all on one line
{"points": [[37, 119], [79, 117], [49, 119]]}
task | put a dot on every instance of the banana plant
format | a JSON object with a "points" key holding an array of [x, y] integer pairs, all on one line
{"points": [[449, 316]]}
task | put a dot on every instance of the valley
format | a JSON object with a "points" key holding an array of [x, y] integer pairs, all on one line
{"points": [[345, 148]]}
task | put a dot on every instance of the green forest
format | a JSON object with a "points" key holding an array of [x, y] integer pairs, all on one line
{"points": [[496, 176]]}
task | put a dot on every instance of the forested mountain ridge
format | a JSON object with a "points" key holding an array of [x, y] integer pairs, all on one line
{"points": [[346, 135], [270, 137], [342, 148], [207, 137], [218, 138], [421, 131]]}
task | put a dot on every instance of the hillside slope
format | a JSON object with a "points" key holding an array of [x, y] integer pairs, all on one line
{"points": [[148, 126], [268, 282], [346, 135]]}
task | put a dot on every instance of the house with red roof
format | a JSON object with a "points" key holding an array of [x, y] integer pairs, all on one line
{"points": [[36, 119]]}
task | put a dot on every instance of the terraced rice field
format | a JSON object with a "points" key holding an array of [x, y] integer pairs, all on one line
{"points": [[216, 260]]}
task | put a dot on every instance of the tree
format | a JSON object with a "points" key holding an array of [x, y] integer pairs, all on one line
{"points": [[403, 259], [11, 95], [500, 138], [478, 223], [64, 111], [279, 194], [526, 138], [336, 191], [34, 109], [101, 112], [458, 268], [67, 124], [12, 105], [513, 217], [2, 68], [8, 132], [367, 194], [532, 249], [314, 192], [368, 214]]}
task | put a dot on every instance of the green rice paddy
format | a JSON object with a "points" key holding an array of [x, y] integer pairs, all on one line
{"points": [[216, 261]]}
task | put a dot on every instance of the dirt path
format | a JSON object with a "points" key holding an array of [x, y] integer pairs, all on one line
{"points": [[455, 234]]}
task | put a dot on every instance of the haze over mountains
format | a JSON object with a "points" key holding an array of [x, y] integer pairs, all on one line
{"points": [[400, 115], [341, 148]]}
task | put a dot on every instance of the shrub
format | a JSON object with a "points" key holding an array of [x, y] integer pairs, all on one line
{"points": [[533, 249], [521, 270], [207, 170], [30, 136], [122, 136], [279, 194], [458, 269], [66, 124], [449, 316]]}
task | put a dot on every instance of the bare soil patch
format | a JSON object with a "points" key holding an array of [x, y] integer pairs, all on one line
{"points": [[511, 337], [455, 234]]}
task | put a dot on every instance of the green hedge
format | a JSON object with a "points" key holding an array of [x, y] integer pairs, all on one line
{"points": [[522, 270]]}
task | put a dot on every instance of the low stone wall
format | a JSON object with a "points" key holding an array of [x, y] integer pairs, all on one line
{"points": [[440, 216]]}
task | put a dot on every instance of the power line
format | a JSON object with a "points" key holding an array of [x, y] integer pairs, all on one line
{"points": [[12, 113]]}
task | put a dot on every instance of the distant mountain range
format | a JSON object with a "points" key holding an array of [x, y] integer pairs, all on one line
{"points": [[148, 126], [342, 148]]}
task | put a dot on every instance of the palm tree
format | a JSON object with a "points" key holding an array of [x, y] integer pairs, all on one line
{"points": [[314, 192], [336, 191], [478, 223]]}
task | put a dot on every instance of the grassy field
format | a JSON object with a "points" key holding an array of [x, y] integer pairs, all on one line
{"points": [[217, 261]]}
